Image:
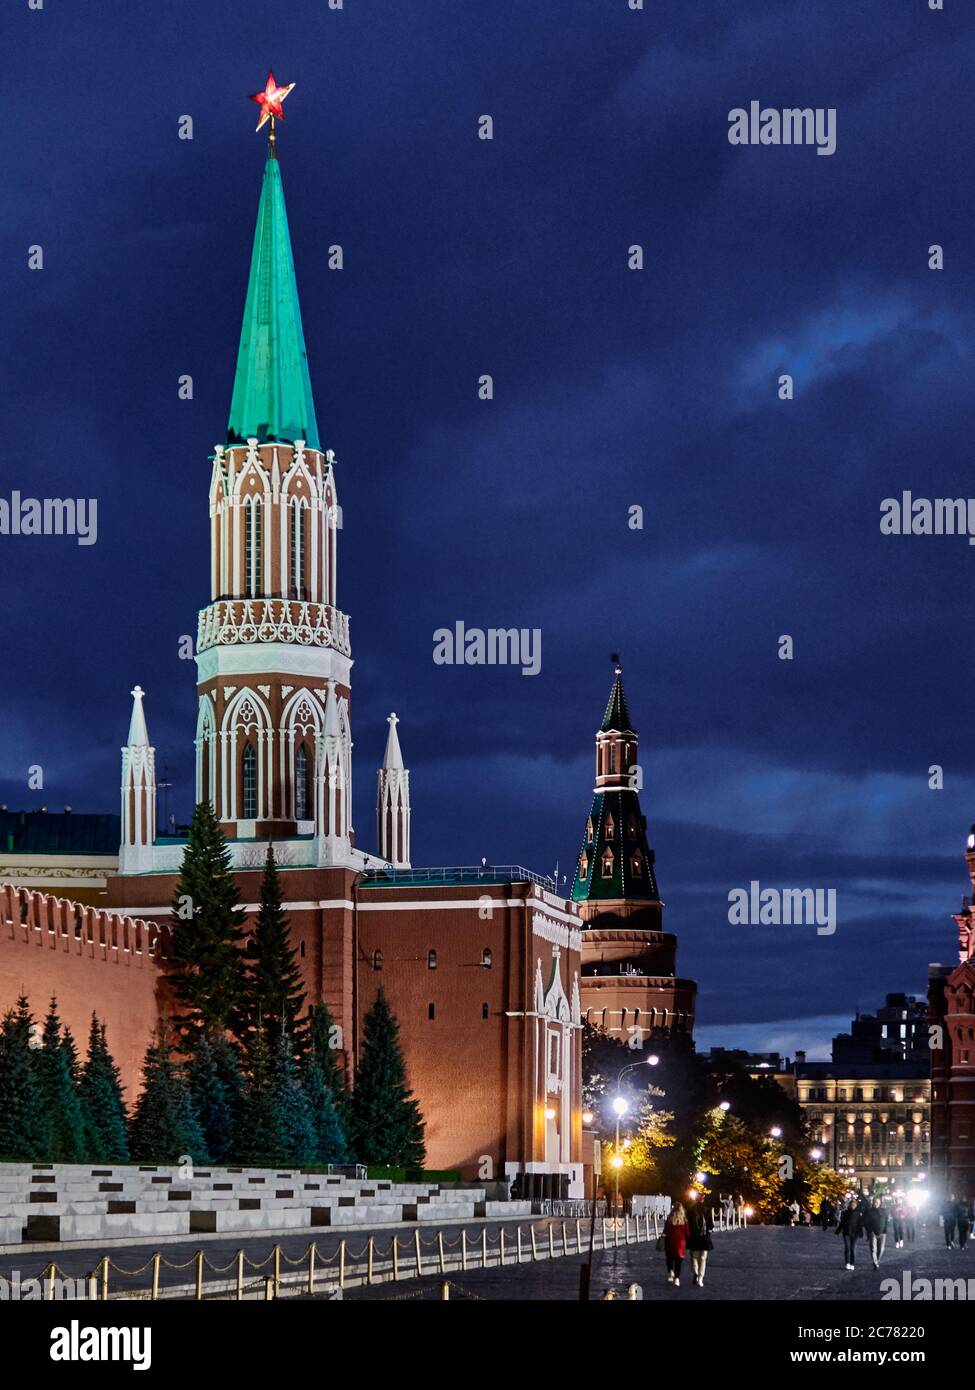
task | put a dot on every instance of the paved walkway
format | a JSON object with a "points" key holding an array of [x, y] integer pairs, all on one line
{"points": [[762, 1262]]}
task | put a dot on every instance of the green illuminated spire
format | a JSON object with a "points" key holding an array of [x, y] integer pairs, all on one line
{"points": [[272, 389]]}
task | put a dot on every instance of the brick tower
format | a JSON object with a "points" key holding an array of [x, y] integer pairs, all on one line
{"points": [[628, 983]]}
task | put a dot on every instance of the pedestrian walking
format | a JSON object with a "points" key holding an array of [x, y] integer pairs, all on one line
{"points": [[963, 1221], [875, 1225], [949, 1220], [699, 1243], [900, 1215], [675, 1242], [850, 1227]]}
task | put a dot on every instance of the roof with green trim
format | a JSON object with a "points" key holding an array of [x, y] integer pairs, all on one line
{"points": [[272, 397], [617, 716], [615, 861]]}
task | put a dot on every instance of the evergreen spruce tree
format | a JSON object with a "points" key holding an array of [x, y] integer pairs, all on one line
{"points": [[385, 1125], [164, 1126], [258, 1140], [272, 994], [70, 1049], [330, 1141], [213, 1104], [299, 1139], [322, 1036], [25, 1131], [205, 965], [67, 1144], [100, 1092]]}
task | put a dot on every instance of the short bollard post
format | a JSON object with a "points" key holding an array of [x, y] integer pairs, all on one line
{"points": [[634, 1293], [277, 1270], [51, 1272], [605, 1224], [463, 1249], [534, 1243], [445, 1292], [419, 1257], [578, 1236], [440, 1254], [93, 1287], [156, 1261], [199, 1275], [565, 1241], [609, 1295], [616, 1233], [268, 1287], [484, 1247], [342, 1264], [240, 1274], [104, 1278], [551, 1242], [371, 1251], [395, 1258], [519, 1245], [311, 1268], [502, 1246]]}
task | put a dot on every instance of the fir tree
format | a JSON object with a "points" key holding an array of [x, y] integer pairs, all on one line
{"points": [[331, 1143], [25, 1132], [212, 1102], [205, 966], [100, 1091], [67, 1143], [272, 994], [385, 1122], [164, 1127], [299, 1140], [257, 1141], [323, 1034], [70, 1049]]}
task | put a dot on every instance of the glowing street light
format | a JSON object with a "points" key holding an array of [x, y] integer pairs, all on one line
{"points": [[775, 1132], [587, 1117], [725, 1106]]}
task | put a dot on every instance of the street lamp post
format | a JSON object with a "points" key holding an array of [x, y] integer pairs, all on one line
{"points": [[620, 1106]]}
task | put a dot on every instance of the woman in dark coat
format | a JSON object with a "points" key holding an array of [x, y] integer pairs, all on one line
{"points": [[675, 1242], [699, 1242]]}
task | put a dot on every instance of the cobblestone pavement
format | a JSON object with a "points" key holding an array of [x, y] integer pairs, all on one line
{"points": [[762, 1262]]}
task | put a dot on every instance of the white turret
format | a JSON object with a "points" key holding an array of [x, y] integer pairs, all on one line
{"points": [[393, 803], [138, 794], [332, 801]]}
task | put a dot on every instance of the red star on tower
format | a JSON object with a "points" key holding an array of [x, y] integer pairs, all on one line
{"points": [[270, 100]]}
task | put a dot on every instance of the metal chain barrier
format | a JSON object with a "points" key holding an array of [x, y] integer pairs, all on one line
{"points": [[401, 1258]]}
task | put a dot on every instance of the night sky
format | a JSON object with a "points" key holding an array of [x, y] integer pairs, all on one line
{"points": [[613, 388]]}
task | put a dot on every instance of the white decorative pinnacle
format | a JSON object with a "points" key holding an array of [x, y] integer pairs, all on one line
{"points": [[138, 733], [393, 760]]}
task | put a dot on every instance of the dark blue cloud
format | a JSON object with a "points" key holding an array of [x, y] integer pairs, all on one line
{"points": [[612, 388]]}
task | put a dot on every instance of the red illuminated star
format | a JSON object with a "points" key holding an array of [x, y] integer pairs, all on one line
{"points": [[270, 99]]}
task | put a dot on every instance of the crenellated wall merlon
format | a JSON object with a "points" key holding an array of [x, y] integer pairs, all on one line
{"points": [[43, 919]]}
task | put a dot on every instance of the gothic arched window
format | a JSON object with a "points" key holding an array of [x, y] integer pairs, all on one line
{"points": [[610, 827], [589, 831], [302, 798], [636, 865], [608, 863], [297, 551], [252, 548], [250, 782], [583, 864], [612, 757]]}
